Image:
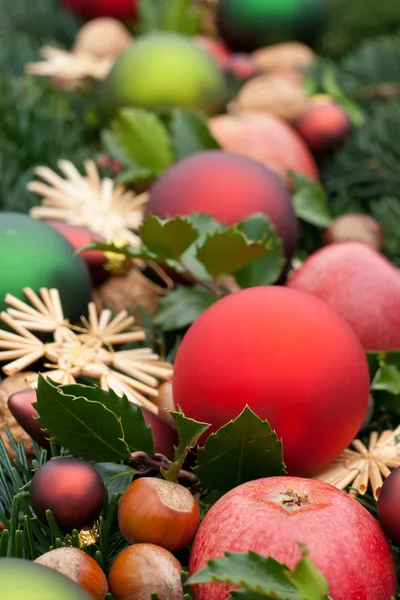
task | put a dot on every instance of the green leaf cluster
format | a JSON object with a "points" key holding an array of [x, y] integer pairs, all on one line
{"points": [[258, 577], [181, 16], [147, 144]]}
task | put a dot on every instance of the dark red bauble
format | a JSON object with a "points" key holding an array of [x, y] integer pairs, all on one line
{"points": [[229, 187], [290, 358], [20, 406], [165, 437], [324, 127], [388, 507], [72, 489], [80, 237], [125, 10]]}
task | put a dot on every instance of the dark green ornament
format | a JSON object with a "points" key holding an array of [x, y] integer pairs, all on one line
{"points": [[34, 255], [246, 25]]}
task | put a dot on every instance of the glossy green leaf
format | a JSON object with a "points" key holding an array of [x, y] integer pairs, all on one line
{"points": [[181, 307], [242, 450], [267, 269], [168, 239], [310, 201], [88, 428], [189, 433], [225, 252], [190, 134], [137, 433], [116, 477], [259, 577]]}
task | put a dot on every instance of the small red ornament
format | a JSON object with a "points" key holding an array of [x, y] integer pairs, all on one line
{"points": [[324, 126], [21, 407], [72, 489], [227, 186], [290, 358], [388, 507], [125, 10], [216, 49], [80, 237], [271, 516]]}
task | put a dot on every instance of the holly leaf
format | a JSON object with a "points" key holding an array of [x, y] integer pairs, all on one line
{"points": [[181, 307], [88, 428], [205, 225], [137, 433], [189, 432], [310, 201], [190, 134], [116, 477], [242, 450], [260, 577], [143, 138], [168, 239], [267, 269], [225, 252]]}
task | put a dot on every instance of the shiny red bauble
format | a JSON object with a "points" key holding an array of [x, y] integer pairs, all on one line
{"points": [[21, 407], [125, 10], [80, 237], [324, 127], [388, 507], [227, 186], [271, 516], [72, 489], [288, 356]]}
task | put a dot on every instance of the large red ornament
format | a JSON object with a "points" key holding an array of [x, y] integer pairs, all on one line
{"points": [[270, 516], [227, 186], [359, 284], [388, 506], [287, 355], [125, 10], [72, 489]]}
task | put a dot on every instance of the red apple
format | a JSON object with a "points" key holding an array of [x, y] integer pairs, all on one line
{"points": [[165, 436], [359, 284], [80, 237], [270, 516], [125, 10], [227, 186], [324, 126], [287, 355], [264, 138]]}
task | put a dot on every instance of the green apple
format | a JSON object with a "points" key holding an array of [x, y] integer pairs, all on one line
{"points": [[25, 580], [162, 71]]}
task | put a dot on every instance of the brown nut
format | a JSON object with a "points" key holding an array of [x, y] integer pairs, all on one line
{"points": [[289, 55]]}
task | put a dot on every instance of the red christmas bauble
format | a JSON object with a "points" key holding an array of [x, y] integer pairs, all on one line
{"points": [[72, 489], [227, 186], [125, 10], [324, 126], [290, 358], [388, 506], [20, 405]]}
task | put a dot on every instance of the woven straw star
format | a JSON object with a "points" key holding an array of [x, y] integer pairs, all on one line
{"points": [[86, 351], [108, 209], [361, 467], [70, 67]]}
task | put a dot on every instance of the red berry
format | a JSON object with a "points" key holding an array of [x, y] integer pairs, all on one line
{"points": [[287, 355], [388, 506], [227, 186], [324, 127], [72, 489]]}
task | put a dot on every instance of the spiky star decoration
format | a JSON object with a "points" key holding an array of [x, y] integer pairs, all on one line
{"points": [[106, 208], [361, 467], [86, 351], [72, 68]]}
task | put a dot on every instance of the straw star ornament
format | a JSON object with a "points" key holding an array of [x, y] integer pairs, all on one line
{"points": [[83, 351], [361, 467], [106, 208]]}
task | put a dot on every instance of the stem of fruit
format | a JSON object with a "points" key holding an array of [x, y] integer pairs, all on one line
{"points": [[211, 287], [145, 465]]}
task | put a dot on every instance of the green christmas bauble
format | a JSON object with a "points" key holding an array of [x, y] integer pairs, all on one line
{"points": [[246, 25], [34, 255], [161, 71], [25, 580]]}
